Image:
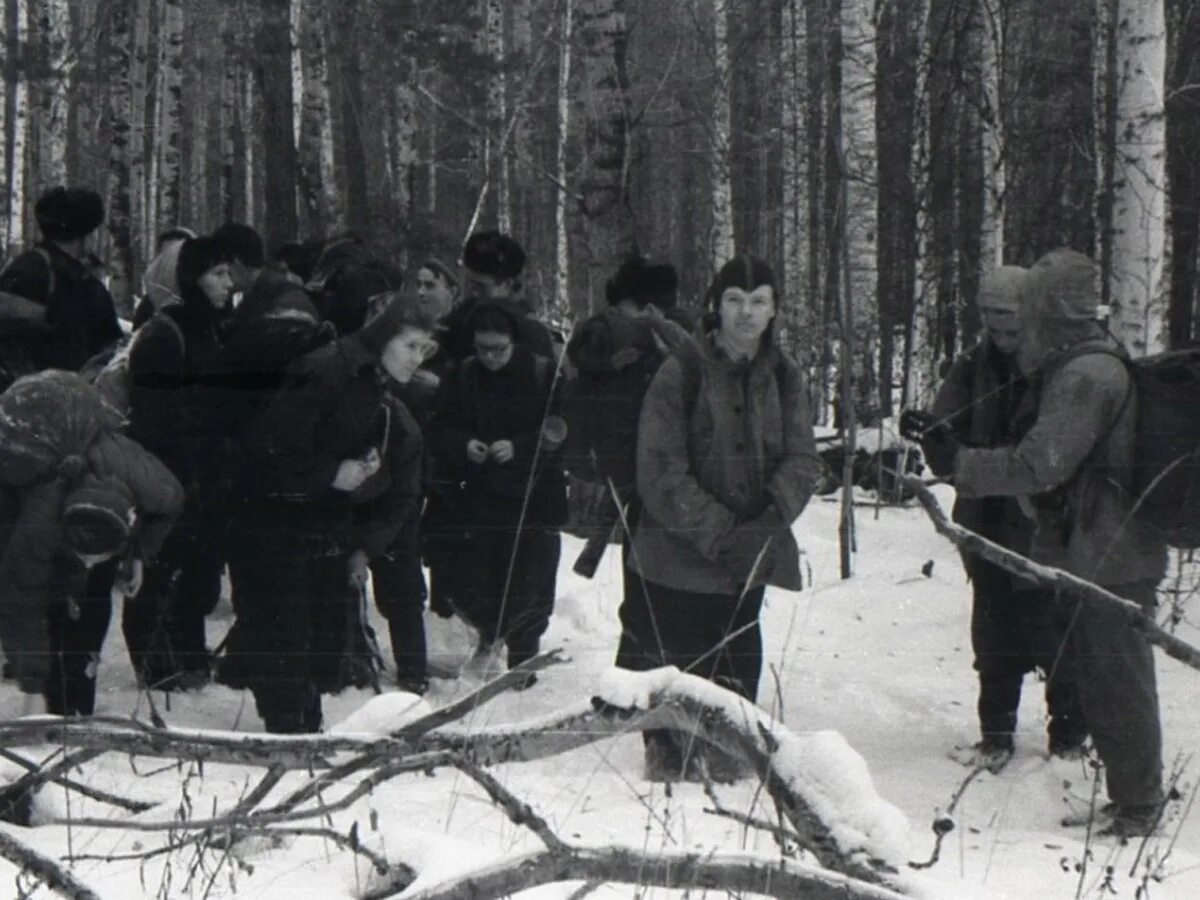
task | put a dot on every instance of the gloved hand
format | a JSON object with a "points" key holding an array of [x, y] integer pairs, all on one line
{"points": [[750, 543], [915, 422], [938, 444]]}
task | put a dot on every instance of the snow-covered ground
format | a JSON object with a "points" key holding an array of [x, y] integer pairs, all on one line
{"points": [[884, 659]]}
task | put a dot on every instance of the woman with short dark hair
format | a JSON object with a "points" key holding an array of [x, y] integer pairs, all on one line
{"points": [[726, 462]]}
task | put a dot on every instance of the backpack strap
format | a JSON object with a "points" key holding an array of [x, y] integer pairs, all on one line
{"points": [[45, 255]]}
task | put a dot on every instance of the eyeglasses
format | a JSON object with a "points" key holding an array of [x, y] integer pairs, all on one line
{"points": [[495, 351]]}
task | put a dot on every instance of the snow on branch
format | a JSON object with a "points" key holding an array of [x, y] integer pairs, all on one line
{"points": [[819, 783], [1048, 576], [740, 872]]}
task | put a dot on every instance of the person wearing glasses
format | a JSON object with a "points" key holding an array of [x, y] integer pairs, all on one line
{"points": [[495, 439]]}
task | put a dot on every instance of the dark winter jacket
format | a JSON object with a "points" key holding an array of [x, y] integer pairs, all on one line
{"points": [[271, 291], [171, 356], [332, 407], [37, 568], [987, 403], [711, 463], [1075, 462], [615, 357], [509, 404], [80, 319]]}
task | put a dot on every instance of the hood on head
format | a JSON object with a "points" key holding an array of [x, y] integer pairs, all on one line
{"points": [[1000, 289], [1059, 303]]}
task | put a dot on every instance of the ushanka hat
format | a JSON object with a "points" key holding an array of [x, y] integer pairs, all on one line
{"points": [[67, 214], [98, 517], [493, 253], [641, 281]]}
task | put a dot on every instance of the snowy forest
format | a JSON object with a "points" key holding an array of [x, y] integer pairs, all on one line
{"points": [[881, 156], [884, 152]]}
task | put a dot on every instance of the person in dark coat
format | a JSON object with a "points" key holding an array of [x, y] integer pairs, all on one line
{"points": [[726, 462], [493, 264], [169, 360], [73, 317], [494, 440], [438, 289], [111, 508], [160, 286], [1073, 470], [332, 473], [1015, 627]]}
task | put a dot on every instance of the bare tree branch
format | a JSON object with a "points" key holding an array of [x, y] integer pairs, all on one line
{"points": [[58, 879], [1050, 577], [716, 872], [37, 776]]}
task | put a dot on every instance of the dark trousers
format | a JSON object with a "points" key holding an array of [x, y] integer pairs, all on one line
{"points": [[77, 630], [1120, 697], [400, 596], [509, 596], [294, 615], [715, 636], [1016, 629], [164, 625]]}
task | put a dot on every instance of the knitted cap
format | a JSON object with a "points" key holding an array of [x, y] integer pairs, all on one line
{"points": [[1064, 283], [495, 254], [66, 214], [1000, 289], [98, 517], [435, 265]]}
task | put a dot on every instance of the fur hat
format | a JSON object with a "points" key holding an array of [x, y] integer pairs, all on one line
{"points": [[196, 257], [67, 214], [495, 254], [398, 312], [745, 272], [641, 281], [241, 242], [98, 517]]}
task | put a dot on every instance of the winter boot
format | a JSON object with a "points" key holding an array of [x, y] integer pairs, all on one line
{"points": [[991, 753], [1131, 822]]}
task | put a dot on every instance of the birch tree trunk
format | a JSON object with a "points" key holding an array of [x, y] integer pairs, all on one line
{"points": [[1183, 164], [7, 83], [817, 75], [170, 114], [273, 73], [403, 143], [139, 140], [1138, 304], [794, 159], [317, 175], [991, 120], [521, 198], [54, 23], [497, 112], [562, 243], [607, 213], [120, 105], [721, 238], [861, 173], [18, 122]]}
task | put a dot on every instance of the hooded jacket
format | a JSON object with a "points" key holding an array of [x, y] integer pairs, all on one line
{"points": [[1074, 464], [708, 466]]}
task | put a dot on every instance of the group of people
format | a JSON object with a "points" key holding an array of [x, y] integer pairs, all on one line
{"points": [[1035, 427], [311, 426], [333, 427]]}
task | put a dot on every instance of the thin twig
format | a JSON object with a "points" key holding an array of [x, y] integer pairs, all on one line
{"points": [[43, 775], [58, 879]]}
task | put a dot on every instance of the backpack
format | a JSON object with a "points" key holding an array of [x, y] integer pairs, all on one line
{"points": [[45, 418], [109, 372], [1166, 471]]}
